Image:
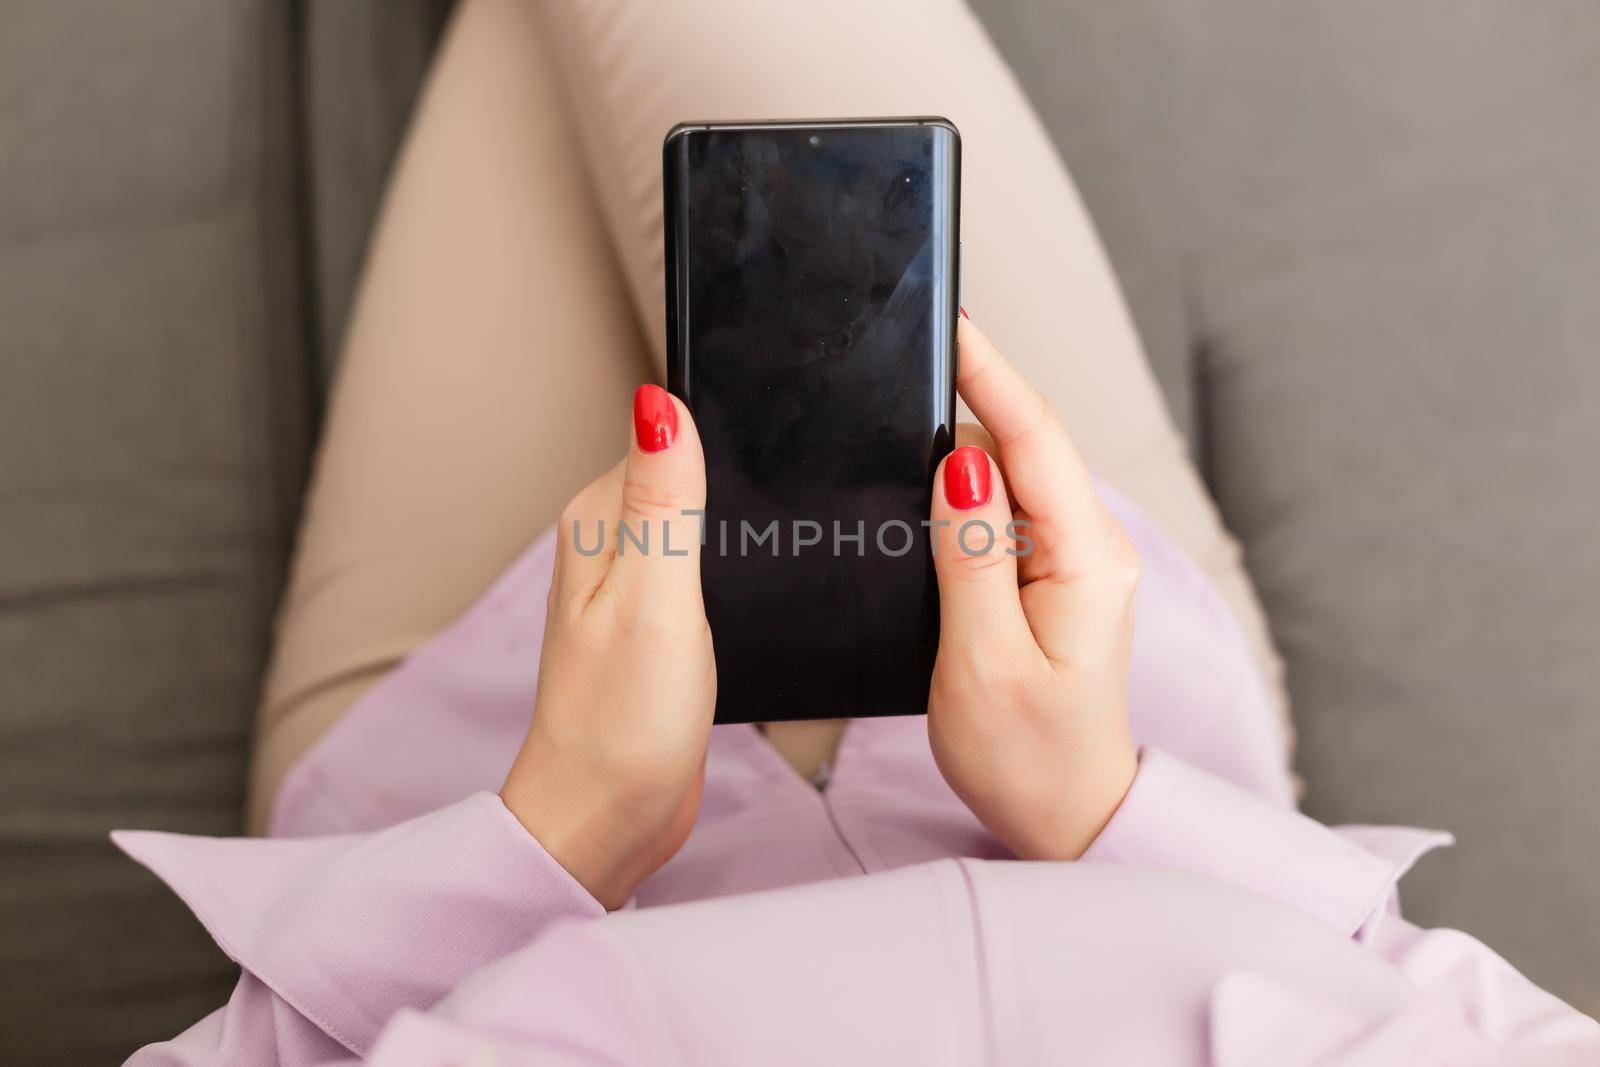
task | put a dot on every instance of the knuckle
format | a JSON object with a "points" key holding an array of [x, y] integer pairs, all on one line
{"points": [[651, 495], [1114, 573], [582, 526], [975, 568], [591, 502], [1040, 417], [571, 518], [1044, 412], [1124, 567], [974, 550]]}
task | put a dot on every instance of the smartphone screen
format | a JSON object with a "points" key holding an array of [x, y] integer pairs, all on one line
{"points": [[811, 303]]}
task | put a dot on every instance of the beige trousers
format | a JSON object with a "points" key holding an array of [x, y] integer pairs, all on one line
{"points": [[513, 298]]}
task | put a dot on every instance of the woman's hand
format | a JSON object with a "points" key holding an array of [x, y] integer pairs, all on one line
{"points": [[610, 775], [1028, 713]]}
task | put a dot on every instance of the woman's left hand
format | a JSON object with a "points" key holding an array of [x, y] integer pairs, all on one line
{"points": [[1028, 712], [609, 777]]}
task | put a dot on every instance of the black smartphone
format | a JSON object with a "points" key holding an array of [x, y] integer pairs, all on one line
{"points": [[811, 275]]}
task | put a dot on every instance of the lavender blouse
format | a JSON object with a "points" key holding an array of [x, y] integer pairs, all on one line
{"points": [[400, 915]]}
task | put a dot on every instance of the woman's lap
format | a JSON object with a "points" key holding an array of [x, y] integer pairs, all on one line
{"points": [[486, 372]]}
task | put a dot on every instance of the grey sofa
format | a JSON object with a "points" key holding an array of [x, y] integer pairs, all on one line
{"points": [[1362, 242]]}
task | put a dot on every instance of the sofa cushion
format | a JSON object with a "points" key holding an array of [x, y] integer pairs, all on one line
{"points": [[153, 408], [1387, 218], [1397, 270], [365, 62]]}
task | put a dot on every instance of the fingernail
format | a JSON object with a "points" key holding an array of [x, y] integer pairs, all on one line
{"points": [[966, 478], [655, 419], [964, 313]]}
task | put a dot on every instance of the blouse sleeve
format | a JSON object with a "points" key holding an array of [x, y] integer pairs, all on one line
{"points": [[337, 934], [1470, 1001]]}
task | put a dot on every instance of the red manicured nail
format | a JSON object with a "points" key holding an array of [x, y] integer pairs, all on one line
{"points": [[966, 478], [964, 313], [655, 419]]}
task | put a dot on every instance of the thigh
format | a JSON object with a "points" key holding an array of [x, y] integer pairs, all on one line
{"points": [[485, 376], [1035, 275]]}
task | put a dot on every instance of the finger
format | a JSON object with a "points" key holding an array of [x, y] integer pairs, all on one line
{"points": [[657, 561], [1047, 476], [980, 610], [970, 433], [586, 537], [1031, 565]]}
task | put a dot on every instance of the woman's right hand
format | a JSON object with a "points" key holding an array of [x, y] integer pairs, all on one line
{"points": [[1028, 712], [609, 777]]}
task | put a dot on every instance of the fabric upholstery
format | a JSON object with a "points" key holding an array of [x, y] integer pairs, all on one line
{"points": [[153, 418], [1384, 222], [365, 61], [1399, 320]]}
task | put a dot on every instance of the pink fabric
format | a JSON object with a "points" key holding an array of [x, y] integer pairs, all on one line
{"points": [[407, 918]]}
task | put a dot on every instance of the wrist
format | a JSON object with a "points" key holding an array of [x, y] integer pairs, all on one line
{"points": [[1072, 824], [577, 829]]}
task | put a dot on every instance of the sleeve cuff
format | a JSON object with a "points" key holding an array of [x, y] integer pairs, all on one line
{"points": [[352, 928], [1179, 818]]}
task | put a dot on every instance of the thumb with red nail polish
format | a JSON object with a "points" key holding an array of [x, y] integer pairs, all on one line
{"points": [[609, 777], [970, 535], [655, 418]]}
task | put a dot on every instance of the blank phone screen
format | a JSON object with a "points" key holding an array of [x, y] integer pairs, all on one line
{"points": [[811, 314]]}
